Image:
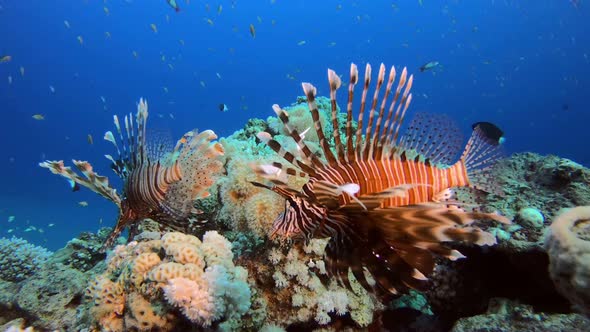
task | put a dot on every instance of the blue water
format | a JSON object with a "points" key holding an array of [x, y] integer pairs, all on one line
{"points": [[521, 64]]}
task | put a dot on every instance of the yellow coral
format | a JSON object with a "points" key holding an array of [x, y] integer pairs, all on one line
{"points": [[165, 271], [141, 316]]}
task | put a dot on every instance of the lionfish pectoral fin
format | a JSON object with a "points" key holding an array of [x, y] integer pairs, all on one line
{"points": [[373, 200]]}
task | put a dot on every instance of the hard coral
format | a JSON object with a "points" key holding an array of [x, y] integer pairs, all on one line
{"points": [[568, 246], [143, 279], [19, 259]]}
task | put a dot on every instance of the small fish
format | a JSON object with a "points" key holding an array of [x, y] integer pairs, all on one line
{"points": [[165, 89], [107, 35], [223, 107], [73, 185], [10, 230], [80, 40], [67, 24], [202, 83], [494, 135], [90, 140], [29, 229], [301, 43], [154, 28], [429, 66], [39, 117], [174, 5], [135, 55], [259, 19], [83, 203], [104, 101], [5, 59], [209, 21], [52, 89], [22, 71], [106, 10], [11, 218], [9, 79], [50, 225], [219, 9], [252, 31], [181, 42], [40, 230], [218, 75]]}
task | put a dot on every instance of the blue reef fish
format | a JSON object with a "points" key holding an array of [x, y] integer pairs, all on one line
{"points": [[429, 66], [223, 107], [174, 5]]}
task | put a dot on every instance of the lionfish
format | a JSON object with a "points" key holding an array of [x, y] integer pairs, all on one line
{"points": [[383, 199], [157, 184]]}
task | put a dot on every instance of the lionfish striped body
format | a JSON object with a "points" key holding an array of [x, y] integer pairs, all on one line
{"points": [[158, 184], [384, 200]]}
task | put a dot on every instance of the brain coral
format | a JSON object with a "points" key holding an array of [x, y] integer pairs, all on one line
{"points": [[171, 283], [568, 246]]}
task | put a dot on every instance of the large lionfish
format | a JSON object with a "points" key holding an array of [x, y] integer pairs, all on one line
{"points": [[384, 200], [159, 184]]}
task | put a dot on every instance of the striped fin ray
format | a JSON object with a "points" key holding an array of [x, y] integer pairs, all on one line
{"points": [[397, 246], [310, 159], [374, 139], [359, 130], [479, 156], [368, 131], [288, 156], [310, 92], [335, 83], [141, 120], [388, 137], [433, 136], [354, 76], [93, 181]]}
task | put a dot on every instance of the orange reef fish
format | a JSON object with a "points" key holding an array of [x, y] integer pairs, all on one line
{"points": [[383, 199], [160, 182]]}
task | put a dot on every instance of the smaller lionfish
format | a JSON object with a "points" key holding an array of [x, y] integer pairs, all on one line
{"points": [[158, 184], [384, 200]]}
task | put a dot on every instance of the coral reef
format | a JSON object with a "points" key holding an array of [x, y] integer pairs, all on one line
{"points": [[145, 281], [568, 245], [290, 283], [177, 282], [507, 316], [19, 259]]}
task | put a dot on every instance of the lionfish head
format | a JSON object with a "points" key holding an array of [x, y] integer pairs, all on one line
{"points": [[301, 216], [285, 225]]}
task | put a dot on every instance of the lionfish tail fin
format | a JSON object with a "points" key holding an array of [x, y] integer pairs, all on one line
{"points": [[482, 152], [91, 180], [199, 160]]}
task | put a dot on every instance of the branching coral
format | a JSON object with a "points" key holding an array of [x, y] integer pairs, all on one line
{"points": [[299, 296], [19, 259]]}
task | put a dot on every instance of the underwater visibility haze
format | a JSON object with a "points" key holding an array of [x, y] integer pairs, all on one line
{"points": [[256, 179]]}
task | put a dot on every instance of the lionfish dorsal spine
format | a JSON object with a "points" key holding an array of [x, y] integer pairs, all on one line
{"points": [[310, 92], [354, 75], [335, 84], [367, 143], [141, 119], [374, 140], [359, 129]]}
